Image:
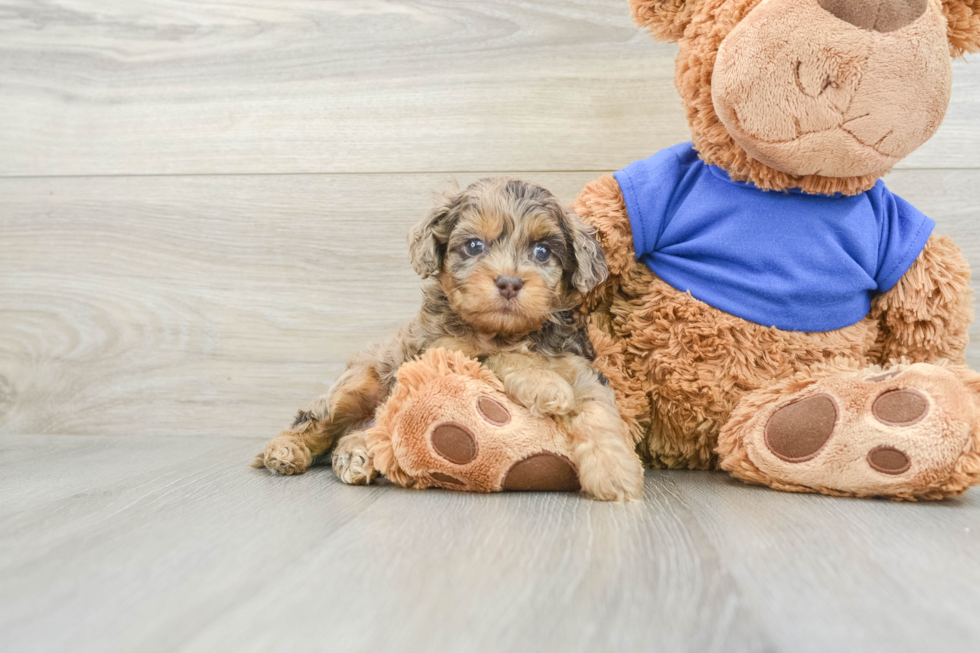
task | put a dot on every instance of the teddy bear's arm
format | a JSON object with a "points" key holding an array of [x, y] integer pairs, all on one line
{"points": [[927, 314]]}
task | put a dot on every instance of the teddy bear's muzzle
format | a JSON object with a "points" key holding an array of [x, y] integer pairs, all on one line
{"points": [[832, 87]]}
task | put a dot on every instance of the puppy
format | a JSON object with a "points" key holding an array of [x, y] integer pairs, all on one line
{"points": [[506, 266]]}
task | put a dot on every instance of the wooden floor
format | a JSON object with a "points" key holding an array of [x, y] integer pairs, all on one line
{"points": [[172, 544], [203, 208]]}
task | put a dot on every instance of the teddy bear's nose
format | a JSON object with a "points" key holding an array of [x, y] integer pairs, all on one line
{"points": [[877, 15]]}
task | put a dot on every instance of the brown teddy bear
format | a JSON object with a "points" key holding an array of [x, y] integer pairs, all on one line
{"points": [[772, 309]]}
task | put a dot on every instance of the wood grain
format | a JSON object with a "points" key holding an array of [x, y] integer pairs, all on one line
{"points": [[866, 575], [188, 305], [248, 86], [220, 305], [171, 544], [203, 208]]}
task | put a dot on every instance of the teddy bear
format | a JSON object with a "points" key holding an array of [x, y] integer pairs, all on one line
{"points": [[772, 309]]}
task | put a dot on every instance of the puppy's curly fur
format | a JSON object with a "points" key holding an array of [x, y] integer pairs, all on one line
{"points": [[506, 266]]}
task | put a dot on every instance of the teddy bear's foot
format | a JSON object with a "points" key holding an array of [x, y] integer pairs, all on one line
{"points": [[481, 448], [450, 425], [909, 432]]}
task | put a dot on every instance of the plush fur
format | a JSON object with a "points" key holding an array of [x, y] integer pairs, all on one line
{"points": [[699, 386], [507, 446], [962, 25], [818, 95], [444, 386], [506, 265], [830, 98], [819, 130]]}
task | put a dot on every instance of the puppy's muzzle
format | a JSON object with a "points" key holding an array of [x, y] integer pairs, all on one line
{"points": [[509, 286]]}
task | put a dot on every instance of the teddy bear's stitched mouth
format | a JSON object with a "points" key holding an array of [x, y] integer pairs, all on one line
{"points": [[849, 101], [800, 134], [841, 125], [840, 128]]}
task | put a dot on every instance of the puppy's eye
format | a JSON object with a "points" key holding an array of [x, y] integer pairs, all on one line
{"points": [[474, 247], [541, 253]]}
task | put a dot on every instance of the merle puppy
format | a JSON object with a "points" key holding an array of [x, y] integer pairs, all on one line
{"points": [[506, 265]]}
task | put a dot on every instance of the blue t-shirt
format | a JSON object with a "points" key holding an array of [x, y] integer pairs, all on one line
{"points": [[791, 260]]}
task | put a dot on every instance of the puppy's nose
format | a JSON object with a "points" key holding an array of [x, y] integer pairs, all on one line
{"points": [[877, 15], [509, 286]]}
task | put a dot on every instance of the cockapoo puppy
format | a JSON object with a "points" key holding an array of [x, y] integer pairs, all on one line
{"points": [[506, 265]]}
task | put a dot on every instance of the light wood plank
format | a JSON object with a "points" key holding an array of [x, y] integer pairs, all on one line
{"points": [[172, 544], [251, 86], [826, 574], [220, 305], [185, 312], [161, 545], [188, 305]]}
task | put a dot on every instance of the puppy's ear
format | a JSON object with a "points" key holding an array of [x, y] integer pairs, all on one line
{"points": [[963, 26], [589, 267], [427, 240], [664, 20]]}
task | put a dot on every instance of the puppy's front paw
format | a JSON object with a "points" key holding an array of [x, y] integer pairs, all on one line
{"points": [[619, 489], [284, 455], [352, 461], [544, 394], [609, 473]]}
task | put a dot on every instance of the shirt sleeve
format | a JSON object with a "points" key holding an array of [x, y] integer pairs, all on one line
{"points": [[647, 187], [903, 231]]}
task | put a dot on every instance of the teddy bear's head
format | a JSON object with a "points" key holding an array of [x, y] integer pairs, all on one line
{"points": [[821, 95]]}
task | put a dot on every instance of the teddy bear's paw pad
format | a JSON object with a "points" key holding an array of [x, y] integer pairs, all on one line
{"points": [[902, 407], [888, 460], [492, 411], [891, 433], [798, 431], [543, 472], [455, 443]]}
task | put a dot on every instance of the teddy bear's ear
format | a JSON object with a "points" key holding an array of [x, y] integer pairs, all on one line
{"points": [[963, 19], [665, 20]]}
